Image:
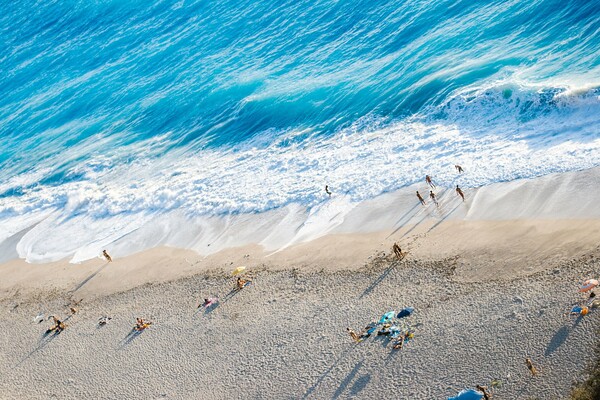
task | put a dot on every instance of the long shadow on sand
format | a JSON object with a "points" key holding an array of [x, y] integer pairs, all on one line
{"points": [[327, 372], [380, 279], [443, 218], [557, 340], [347, 380], [207, 310], [133, 333], [405, 218], [44, 341], [86, 280]]}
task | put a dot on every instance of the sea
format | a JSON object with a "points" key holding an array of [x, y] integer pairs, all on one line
{"points": [[115, 113]]}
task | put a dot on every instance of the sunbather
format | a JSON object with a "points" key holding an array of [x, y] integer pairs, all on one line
{"points": [[399, 342], [140, 324], [354, 335], [530, 366], [58, 326], [242, 282], [486, 395]]}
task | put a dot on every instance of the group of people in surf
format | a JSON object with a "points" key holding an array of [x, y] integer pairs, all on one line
{"points": [[432, 196], [429, 181]]}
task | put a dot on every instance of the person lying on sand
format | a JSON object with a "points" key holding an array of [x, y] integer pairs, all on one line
{"points": [[420, 198], [140, 324], [103, 320], [208, 302], [460, 193], [530, 366], [399, 342], [107, 256], [354, 335], [242, 282], [58, 326]]}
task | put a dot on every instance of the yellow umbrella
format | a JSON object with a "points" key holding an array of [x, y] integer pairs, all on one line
{"points": [[238, 270]]}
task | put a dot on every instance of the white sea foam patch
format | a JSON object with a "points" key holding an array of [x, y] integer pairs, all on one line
{"points": [[279, 169]]}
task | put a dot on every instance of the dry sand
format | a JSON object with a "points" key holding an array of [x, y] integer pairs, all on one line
{"points": [[490, 283]]}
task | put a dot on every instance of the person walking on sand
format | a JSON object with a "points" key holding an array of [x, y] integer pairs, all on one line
{"points": [[327, 190], [429, 181], [460, 193], [432, 196], [530, 366], [459, 168], [420, 198], [354, 335], [107, 256], [397, 251]]}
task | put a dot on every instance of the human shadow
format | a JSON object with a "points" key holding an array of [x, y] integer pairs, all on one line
{"points": [[380, 279], [443, 218], [383, 340], [47, 337], [405, 218], [86, 280], [347, 380], [360, 384], [206, 310], [131, 336], [557, 340], [230, 295], [427, 214], [326, 373]]}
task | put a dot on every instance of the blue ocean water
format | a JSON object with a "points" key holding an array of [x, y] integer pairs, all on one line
{"points": [[112, 109]]}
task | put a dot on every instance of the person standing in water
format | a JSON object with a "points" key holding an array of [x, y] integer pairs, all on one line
{"points": [[327, 190], [459, 168], [420, 198], [460, 193], [429, 181], [432, 196]]}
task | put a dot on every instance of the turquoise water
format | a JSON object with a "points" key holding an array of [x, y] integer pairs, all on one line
{"points": [[113, 109]]}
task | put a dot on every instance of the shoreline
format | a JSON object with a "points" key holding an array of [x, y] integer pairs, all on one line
{"points": [[481, 250], [488, 292], [515, 228], [564, 196]]}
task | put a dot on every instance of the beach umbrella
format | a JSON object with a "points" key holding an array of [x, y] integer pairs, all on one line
{"points": [[467, 394], [405, 312], [588, 285], [238, 271], [386, 317]]}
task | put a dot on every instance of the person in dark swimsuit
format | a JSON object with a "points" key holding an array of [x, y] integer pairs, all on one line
{"points": [[420, 198]]}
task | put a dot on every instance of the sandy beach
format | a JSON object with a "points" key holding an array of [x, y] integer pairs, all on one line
{"points": [[491, 280]]}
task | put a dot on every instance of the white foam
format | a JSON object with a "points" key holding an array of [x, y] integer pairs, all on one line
{"points": [[281, 173]]}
